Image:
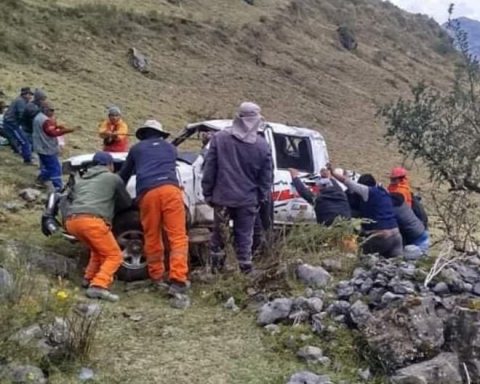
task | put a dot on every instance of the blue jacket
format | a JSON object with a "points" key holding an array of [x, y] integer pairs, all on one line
{"points": [[154, 163], [237, 174], [15, 110], [379, 209]]}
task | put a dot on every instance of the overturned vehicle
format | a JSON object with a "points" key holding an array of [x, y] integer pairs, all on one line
{"points": [[292, 147]]}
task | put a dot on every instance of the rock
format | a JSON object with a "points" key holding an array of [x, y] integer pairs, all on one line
{"points": [[366, 286], [441, 288], [29, 194], [24, 374], [90, 310], [308, 292], [306, 377], [375, 295], [273, 329], [468, 274], [360, 273], [412, 252], [180, 301], [313, 276], [299, 316], [315, 305], [300, 303], [404, 333], [389, 297], [26, 335], [339, 307], [443, 369], [230, 304], [274, 311], [332, 265], [310, 354], [344, 290], [360, 313], [12, 207], [402, 287], [476, 289], [57, 332], [381, 281], [365, 374], [86, 374], [462, 336], [453, 279], [407, 271], [317, 323], [6, 282]]}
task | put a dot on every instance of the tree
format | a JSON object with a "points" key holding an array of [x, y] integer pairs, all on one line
{"points": [[442, 129]]}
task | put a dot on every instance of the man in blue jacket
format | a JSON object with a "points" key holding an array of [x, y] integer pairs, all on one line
{"points": [[237, 178]]}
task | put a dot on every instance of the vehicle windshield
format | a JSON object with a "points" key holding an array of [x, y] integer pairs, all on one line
{"points": [[293, 152]]}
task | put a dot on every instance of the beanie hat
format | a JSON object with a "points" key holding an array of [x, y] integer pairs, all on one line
{"points": [[102, 158], [114, 111], [39, 94], [25, 91]]}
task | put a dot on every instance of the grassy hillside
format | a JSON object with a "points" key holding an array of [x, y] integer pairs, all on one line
{"points": [[207, 56]]}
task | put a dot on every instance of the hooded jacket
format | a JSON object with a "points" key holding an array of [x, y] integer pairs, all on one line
{"points": [[99, 192], [329, 204]]}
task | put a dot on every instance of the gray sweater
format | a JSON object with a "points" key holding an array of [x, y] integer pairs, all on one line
{"points": [[409, 224]]}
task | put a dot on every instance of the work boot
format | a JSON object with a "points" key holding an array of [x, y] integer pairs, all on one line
{"points": [[217, 260], [177, 287], [160, 285], [101, 293], [85, 283]]}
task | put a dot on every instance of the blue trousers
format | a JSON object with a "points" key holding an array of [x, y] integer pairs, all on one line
{"points": [[19, 137], [51, 170], [423, 242]]}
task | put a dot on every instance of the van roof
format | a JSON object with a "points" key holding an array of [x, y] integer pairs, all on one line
{"points": [[220, 125]]}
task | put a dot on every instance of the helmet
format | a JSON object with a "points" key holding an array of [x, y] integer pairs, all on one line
{"points": [[398, 172]]}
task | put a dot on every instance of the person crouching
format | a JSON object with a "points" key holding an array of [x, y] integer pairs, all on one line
{"points": [[95, 198]]}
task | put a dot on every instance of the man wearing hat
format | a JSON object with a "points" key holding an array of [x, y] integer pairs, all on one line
{"points": [[45, 144], [399, 184], [114, 132], [96, 196], [153, 161], [12, 120], [31, 110]]}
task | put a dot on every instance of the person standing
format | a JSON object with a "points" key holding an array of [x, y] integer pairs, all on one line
{"points": [[31, 110], [114, 132], [45, 144], [12, 120], [237, 179], [162, 209], [96, 196]]}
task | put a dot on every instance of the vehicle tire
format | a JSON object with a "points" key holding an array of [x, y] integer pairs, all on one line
{"points": [[129, 234]]}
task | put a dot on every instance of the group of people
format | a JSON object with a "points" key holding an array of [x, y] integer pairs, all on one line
{"points": [[237, 184], [393, 217]]}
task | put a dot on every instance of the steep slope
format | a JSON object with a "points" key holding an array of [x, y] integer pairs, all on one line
{"points": [[472, 27], [207, 56]]}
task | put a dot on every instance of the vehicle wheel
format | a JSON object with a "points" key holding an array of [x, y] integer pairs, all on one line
{"points": [[129, 234]]}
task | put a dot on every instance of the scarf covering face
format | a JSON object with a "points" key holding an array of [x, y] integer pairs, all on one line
{"points": [[246, 123]]}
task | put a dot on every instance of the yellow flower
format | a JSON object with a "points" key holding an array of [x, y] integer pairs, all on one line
{"points": [[62, 295]]}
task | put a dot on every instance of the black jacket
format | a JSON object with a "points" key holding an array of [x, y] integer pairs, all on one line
{"points": [[329, 204]]}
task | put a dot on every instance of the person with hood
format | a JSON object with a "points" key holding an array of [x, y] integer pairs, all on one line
{"points": [[399, 184], [33, 108], [153, 161], [46, 130], [375, 205], [12, 125], [331, 203], [95, 198], [114, 132], [412, 229], [237, 179]]}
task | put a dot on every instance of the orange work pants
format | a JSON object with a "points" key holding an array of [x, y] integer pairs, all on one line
{"points": [[162, 209], [105, 253]]}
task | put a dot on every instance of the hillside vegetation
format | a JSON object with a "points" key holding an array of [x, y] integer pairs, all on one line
{"points": [[207, 56]]}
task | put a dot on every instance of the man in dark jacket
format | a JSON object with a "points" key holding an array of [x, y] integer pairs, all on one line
{"points": [[237, 179], [381, 230], [153, 161], [33, 108], [411, 227], [96, 196], [329, 204], [12, 120]]}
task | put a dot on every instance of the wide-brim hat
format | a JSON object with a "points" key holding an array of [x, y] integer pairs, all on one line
{"points": [[151, 125]]}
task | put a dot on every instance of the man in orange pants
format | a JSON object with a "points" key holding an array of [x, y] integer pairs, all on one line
{"points": [[96, 196], [153, 161]]}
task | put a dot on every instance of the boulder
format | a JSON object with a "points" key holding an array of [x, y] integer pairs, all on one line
{"points": [[332, 265], [310, 354], [467, 273], [476, 289], [344, 290], [306, 377], [180, 301], [26, 335], [389, 297], [274, 311], [6, 282], [404, 333], [315, 305], [313, 276], [30, 194], [23, 374], [402, 287], [360, 313], [441, 288], [338, 308], [443, 369]]}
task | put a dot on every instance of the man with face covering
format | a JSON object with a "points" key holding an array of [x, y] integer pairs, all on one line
{"points": [[237, 179]]}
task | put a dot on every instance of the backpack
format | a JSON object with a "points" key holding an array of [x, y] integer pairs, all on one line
{"points": [[419, 209]]}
